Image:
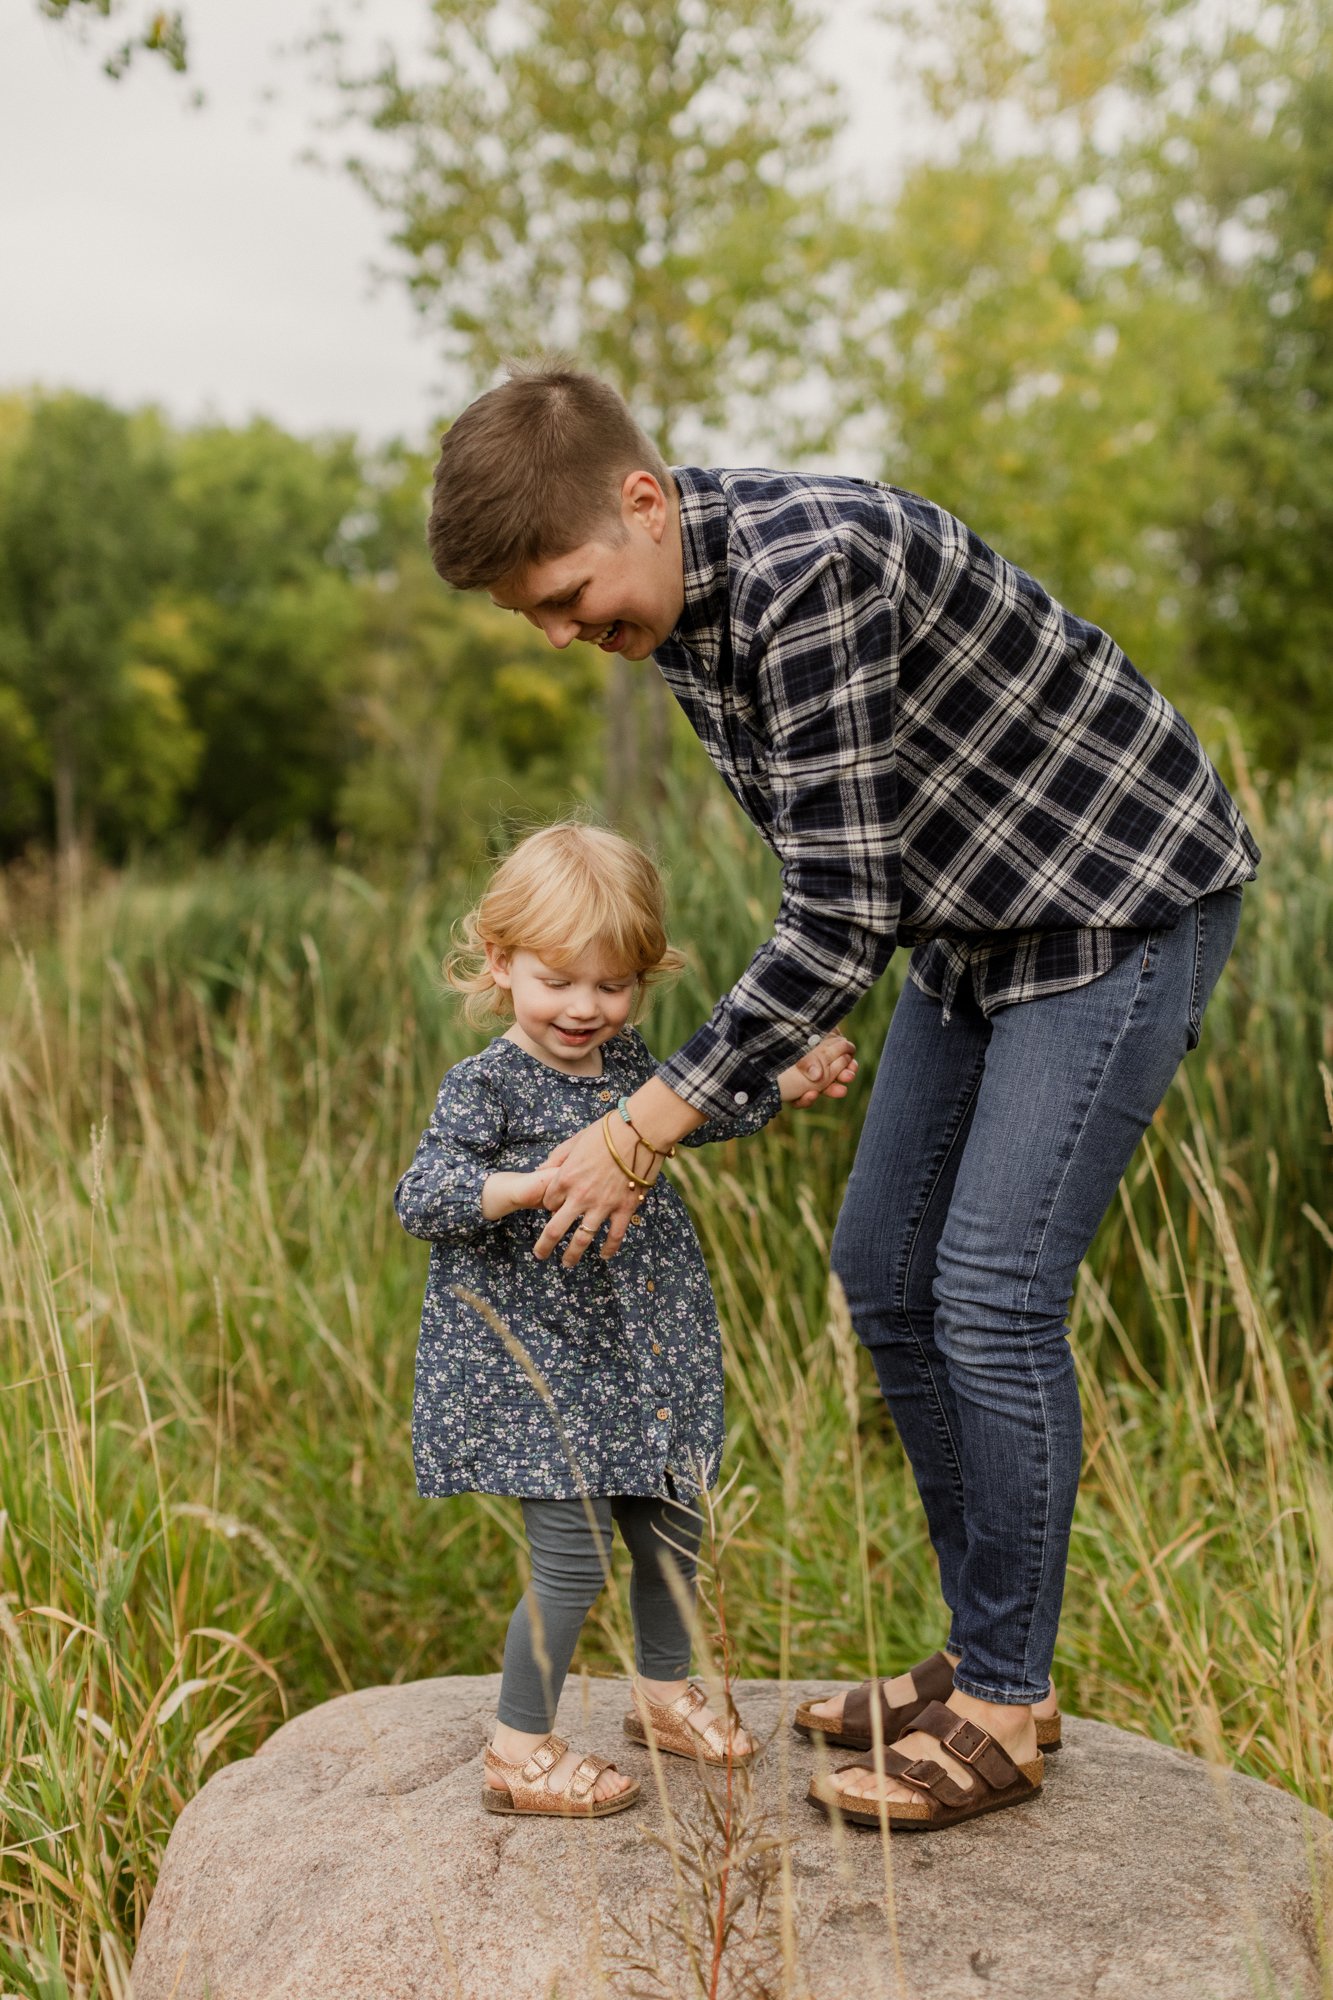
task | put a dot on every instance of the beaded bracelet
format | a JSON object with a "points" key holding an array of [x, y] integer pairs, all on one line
{"points": [[622, 1106]]}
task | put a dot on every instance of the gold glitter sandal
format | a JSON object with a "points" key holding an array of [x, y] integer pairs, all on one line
{"points": [[676, 1735], [527, 1785]]}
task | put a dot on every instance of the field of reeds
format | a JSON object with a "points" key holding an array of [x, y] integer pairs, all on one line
{"points": [[209, 1083]]}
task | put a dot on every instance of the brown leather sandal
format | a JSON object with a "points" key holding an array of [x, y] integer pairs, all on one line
{"points": [[997, 1781], [674, 1733], [933, 1680], [527, 1787]]}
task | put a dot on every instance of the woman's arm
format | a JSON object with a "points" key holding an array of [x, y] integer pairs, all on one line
{"points": [[588, 1187], [824, 676]]}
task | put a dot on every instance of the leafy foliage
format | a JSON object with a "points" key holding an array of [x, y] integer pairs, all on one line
{"points": [[1097, 321], [162, 33], [645, 183]]}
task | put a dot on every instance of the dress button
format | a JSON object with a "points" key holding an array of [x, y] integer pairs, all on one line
{"points": [[741, 1097], [605, 1096], [662, 1416], [651, 1286], [636, 1218], [657, 1347]]}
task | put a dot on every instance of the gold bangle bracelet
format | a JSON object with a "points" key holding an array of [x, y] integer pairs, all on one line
{"points": [[632, 1178]]}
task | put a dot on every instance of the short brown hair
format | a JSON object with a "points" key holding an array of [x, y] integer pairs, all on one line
{"points": [[532, 470], [564, 891]]}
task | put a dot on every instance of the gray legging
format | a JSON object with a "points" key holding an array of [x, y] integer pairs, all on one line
{"points": [[570, 1545]]}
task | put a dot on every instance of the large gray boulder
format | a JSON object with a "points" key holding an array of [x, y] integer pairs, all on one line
{"points": [[350, 1860]]}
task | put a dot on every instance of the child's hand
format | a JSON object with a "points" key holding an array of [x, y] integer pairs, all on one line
{"points": [[501, 1194], [827, 1071]]}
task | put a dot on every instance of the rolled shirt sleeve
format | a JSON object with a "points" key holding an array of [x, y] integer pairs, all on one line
{"points": [[825, 671]]}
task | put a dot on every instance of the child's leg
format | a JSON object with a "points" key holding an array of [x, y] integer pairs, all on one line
{"points": [[662, 1536], [570, 1546]]}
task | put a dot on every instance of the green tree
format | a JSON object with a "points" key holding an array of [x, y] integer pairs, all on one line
{"points": [[260, 627], [86, 536], [1096, 324], [24, 772], [642, 183], [1059, 407], [458, 718]]}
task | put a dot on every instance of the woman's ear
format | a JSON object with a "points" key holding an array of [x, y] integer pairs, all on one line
{"points": [[497, 964]]}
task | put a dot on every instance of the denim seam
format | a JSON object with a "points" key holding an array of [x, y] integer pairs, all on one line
{"points": [[909, 1253], [1107, 1060], [1195, 1022]]}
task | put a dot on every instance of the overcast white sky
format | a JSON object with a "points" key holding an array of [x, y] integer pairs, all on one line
{"points": [[152, 252]]}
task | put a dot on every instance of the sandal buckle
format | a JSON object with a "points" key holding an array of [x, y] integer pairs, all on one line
{"points": [[965, 1741]]}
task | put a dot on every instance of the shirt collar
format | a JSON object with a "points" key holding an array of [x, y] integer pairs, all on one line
{"points": [[703, 542]]}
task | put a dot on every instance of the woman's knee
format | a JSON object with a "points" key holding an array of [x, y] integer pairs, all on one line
{"points": [[989, 1325], [888, 1304]]}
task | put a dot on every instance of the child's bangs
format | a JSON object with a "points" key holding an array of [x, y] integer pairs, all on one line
{"points": [[595, 926]]}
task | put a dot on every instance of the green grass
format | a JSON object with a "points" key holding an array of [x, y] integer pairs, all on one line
{"points": [[208, 1086]]}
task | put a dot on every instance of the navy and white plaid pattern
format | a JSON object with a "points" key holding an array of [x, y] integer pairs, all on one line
{"points": [[939, 754]]}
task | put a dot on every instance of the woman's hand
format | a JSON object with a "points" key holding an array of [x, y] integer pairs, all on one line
{"points": [[585, 1188], [827, 1071]]}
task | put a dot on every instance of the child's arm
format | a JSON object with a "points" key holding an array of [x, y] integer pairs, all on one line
{"points": [[501, 1194], [446, 1195]]}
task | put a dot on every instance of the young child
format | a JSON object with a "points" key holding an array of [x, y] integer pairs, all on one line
{"points": [[601, 1399]]}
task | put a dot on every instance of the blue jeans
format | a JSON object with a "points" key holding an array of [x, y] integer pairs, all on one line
{"points": [[991, 1151]]}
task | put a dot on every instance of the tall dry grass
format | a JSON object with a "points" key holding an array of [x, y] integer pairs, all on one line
{"points": [[208, 1086]]}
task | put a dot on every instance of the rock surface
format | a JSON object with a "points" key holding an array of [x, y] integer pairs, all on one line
{"points": [[351, 1860]]}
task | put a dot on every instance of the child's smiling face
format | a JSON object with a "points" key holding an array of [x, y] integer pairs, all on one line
{"points": [[624, 596], [563, 1013]]}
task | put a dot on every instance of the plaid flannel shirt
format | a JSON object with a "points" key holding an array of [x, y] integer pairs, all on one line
{"points": [[939, 754]]}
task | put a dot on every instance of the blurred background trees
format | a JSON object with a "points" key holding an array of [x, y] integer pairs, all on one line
{"points": [[1091, 315], [644, 186], [156, 30]]}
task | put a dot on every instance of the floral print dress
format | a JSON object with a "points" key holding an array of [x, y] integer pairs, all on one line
{"points": [[536, 1380]]}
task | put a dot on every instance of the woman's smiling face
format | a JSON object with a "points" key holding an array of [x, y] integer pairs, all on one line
{"points": [[622, 594]]}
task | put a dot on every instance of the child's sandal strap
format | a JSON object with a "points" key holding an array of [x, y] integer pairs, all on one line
{"points": [[713, 1736], [588, 1770], [543, 1759]]}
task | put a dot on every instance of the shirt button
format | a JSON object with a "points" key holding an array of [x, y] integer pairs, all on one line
{"points": [[814, 1038], [662, 1416], [605, 1096], [657, 1347], [636, 1218], [741, 1097], [651, 1287]]}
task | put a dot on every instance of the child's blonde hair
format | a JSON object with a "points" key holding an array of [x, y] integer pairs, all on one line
{"points": [[565, 891]]}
